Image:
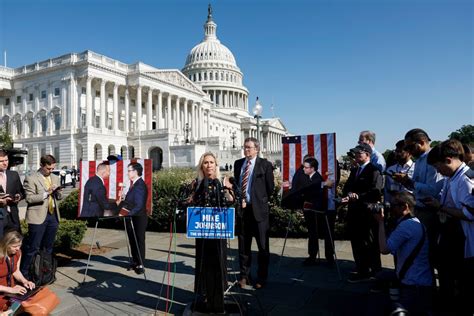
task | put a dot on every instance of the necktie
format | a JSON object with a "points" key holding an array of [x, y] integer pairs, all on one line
{"points": [[359, 170], [245, 178], [50, 197]]}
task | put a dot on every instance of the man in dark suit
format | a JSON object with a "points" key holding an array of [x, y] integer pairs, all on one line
{"points": [[95, 199], [363, 187], [135, 204], [12, 192], [255, 179], [310, 190]]}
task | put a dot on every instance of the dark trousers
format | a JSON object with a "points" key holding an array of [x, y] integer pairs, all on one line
{"points": [[429, 218], [251, 228], [39, 237], [139, 224], [417, 300], [318, 228], [11, 220], [363, 233]]}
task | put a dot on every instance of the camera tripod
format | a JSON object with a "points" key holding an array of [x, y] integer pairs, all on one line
{"points": [[319, 256]]}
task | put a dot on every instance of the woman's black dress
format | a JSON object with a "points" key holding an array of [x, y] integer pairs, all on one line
{"points": [[211, 254]]}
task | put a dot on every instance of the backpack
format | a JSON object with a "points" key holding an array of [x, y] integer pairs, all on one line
{"points": [[43, 268]]}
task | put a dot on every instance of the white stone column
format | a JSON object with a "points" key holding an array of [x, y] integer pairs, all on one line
{"points": [[88, 101], [193, 121], [149, 112], [103, 104], [168, 112], [178, 115], [208, 132], [50, 107], [185, 120], [127, 110], [72, 118], [116, 115], [158, 111], [65, 115], [138, 105]]}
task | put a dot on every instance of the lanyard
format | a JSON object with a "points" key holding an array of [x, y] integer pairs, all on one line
{"points": [[10, 268]]}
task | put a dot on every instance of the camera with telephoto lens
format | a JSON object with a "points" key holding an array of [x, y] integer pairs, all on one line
{"points": [[15, 156], [377, 207]]}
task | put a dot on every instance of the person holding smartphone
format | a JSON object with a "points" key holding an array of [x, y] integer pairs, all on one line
{"points": [[43, 191]]}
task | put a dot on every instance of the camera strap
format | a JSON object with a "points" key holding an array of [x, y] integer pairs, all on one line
{"points": [[409, 261]]}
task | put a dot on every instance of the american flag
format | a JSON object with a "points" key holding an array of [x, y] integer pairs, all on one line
{"points": [[118, 175], [320, 146]]}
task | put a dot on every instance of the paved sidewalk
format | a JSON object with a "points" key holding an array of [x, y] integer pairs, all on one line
{"points": [[112, 290]]}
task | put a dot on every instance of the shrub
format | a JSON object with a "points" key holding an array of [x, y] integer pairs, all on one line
{"points": [[165, 194], [70, 233], [68, 205]]}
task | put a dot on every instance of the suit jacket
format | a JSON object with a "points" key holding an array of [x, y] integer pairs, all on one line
{"points": [[35, 187], [368, 185], [95, 199], [135, 200], [14, 187], [262, 184]]}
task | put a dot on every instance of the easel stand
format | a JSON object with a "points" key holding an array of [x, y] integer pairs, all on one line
{"points": [[126, 239], [330, 237]]}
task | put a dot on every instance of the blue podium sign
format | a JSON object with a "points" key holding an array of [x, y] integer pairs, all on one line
{"points": [[210, 222]]}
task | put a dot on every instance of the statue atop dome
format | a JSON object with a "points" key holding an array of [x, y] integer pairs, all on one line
{"points": [[209, 13]]}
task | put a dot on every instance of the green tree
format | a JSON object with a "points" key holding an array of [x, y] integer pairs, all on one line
{"points": [[465, 134], [6, 140]]}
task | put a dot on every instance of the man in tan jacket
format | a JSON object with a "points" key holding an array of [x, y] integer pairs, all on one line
{"points": [[43, 191]]}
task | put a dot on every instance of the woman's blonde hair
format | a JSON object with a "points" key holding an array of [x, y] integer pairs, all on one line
{"points": [[201, 162], [8, 240]]}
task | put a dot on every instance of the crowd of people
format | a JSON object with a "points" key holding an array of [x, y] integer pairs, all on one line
{"points": [[421, 211], [419, 207]]}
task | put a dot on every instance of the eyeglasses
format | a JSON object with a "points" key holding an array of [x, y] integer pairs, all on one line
{"points": [[248, 147]]}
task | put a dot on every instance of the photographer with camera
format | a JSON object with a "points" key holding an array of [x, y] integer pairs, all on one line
{"points": [[408, 242], [363, 187]]}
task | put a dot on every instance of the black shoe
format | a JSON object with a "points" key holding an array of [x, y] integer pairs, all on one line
{"points": [[139, 270], [132, 266], [310, 261], [358, 278]]}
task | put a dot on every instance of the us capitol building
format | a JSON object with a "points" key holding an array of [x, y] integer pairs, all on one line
{"points": [[88, 106]]}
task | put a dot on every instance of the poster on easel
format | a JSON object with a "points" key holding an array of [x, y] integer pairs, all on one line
{"points": [[111, 188]]}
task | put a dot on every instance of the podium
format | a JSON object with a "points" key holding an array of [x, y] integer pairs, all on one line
{"points": [[210, 226]]}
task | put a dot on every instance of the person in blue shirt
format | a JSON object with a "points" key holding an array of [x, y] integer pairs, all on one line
{"points": [[416, 282], [376, 158], [426, 182]]}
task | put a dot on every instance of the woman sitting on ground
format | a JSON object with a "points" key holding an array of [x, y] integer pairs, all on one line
{"points": [[12, 280]]}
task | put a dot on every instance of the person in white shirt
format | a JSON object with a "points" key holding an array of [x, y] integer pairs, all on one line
{"points": [[404, 165], [456, 240]]}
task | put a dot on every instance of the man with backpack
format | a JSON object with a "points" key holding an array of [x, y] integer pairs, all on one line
{"points": [[408, 242]]}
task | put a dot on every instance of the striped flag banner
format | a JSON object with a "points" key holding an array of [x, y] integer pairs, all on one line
{"points": [[118, 176], [320, 146]]}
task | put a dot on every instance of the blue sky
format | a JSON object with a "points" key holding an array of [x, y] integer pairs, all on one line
{"points": [[327, 66]]}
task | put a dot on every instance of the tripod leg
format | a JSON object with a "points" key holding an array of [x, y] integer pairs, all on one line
{"points": [[90, 250], [333, 246], [138, 249], [126, 239], [317, 235], [284, 245]]}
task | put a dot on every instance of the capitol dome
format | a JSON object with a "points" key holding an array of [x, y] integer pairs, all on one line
{"points": [[212, 66]]}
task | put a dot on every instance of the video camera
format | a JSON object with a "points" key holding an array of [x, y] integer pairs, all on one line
{"points": [[15, 156], [351, 153], [377, 207]]}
